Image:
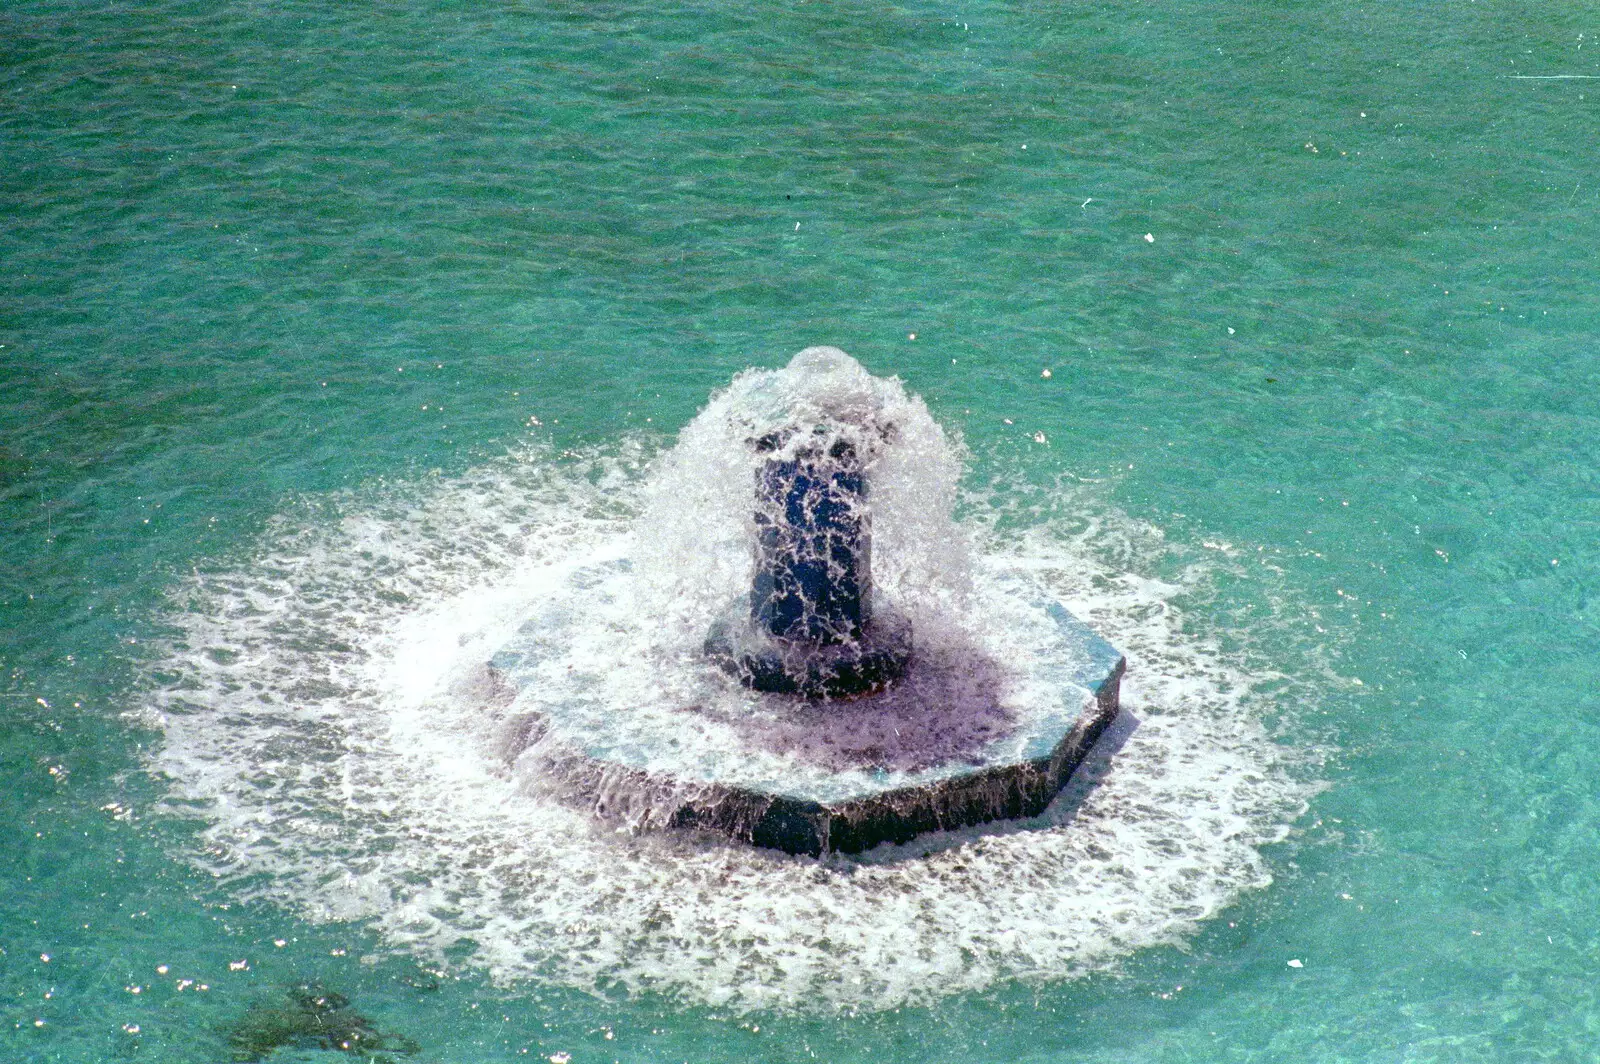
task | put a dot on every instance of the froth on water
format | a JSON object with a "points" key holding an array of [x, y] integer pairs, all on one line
{"points": [[326, 713]]}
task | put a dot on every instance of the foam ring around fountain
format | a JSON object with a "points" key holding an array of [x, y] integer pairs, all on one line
{"points": [[330, 722], [324, 731]]}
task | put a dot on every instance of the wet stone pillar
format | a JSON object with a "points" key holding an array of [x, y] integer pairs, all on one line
{"points": [[813, 558], [808, 625]]}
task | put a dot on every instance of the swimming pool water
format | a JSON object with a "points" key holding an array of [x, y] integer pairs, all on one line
{"points": [[318, 321]]}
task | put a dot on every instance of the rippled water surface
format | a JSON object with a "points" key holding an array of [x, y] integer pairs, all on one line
{"points": [[331, 334]]}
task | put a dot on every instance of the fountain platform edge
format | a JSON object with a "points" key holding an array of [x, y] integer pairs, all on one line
{"points": [[1016, 780]]}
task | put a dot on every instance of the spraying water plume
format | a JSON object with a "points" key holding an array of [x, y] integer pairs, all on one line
{"points": [[329, 724], [815, 728]]}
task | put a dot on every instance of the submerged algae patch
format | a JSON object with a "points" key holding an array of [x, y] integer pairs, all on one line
{"points": [[310, 1016]]}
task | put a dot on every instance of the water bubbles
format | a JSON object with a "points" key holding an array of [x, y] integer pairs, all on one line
{"points": [[347, 762]]}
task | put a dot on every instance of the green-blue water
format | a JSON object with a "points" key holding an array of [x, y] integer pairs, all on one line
{"points": [[1314, 284]]}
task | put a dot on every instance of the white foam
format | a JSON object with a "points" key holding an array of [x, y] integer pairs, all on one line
{"points": [[697, 501], [324, 714]]}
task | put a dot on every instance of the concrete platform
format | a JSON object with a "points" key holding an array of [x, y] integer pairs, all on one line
{"points": [[1007, 765]]}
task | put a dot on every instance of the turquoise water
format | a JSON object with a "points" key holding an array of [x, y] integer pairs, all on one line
{"points": [[327, 311]]}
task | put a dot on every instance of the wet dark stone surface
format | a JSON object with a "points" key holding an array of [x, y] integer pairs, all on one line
{"points": [[931, 754]]}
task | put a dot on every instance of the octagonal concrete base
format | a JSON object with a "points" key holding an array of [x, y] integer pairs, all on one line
{"points": [[1013, 769]]}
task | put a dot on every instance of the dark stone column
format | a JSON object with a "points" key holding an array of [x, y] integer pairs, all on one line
{"points": [[813, 577], [810, 627]]}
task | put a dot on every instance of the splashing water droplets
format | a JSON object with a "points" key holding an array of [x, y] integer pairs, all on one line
{"points": [[328, 714], [697, 500]]}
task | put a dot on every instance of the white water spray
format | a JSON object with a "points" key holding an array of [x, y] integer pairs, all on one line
{"points": [[329, 722]]}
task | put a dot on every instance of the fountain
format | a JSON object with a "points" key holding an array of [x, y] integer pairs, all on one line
{"points": [[810, 625], [332, 724], [815, 714]]}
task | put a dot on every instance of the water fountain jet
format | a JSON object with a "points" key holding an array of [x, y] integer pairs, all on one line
{"points": [[811, 624], [802, 720]]}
